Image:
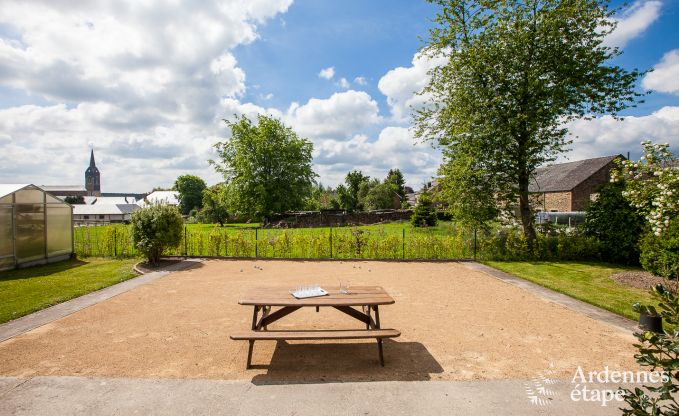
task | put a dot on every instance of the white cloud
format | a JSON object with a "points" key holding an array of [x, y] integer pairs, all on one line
{"points": [[327, 73], [401, 84], [634, 21], [607, 136], [339, 117], [146, 82], [665, 75], [394, 148], [360, 81], [343, 83]]}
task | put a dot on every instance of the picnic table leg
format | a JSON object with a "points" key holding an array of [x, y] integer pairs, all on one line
{"points": [[366, 310], [252, 344], [379, 340]]}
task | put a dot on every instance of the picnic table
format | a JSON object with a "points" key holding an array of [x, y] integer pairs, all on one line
{"points": [[368, 298]]}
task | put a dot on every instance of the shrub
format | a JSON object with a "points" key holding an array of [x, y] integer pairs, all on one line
{"points": [[155, 229], [424, 214], [660, 254], [658, 352], [616, 224]]}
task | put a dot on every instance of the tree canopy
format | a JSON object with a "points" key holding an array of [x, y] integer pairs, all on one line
{"points": [[266, 166], [515, 72], [190, 189]]}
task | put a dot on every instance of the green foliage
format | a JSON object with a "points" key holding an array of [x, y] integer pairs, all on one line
{"points": [[349, 195], [396, 178], [190, 189], [616, 225], [424, 214], [467, 188], [267, 167], [658, 352], [215, 205], [514, 73], [381, 196], [155, 229], [510, 244], [660, 254], [75, 200], [652, 184]]}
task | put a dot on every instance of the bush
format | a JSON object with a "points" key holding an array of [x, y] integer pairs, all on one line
{"points": [[424, 214], [660, 254], [616, 224], [155, 229]]}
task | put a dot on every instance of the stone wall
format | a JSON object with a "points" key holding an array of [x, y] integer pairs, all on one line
{"points": [[336, 218], [582, 194]]}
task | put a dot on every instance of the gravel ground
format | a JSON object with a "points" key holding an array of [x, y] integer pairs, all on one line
{"points": [[456, 324], [639, 279]]}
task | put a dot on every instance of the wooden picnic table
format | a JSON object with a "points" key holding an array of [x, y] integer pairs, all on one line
{"points": [[368, 298]]}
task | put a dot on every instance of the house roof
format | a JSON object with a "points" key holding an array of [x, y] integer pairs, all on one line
{"points": [[109, 200], [566, 176], [163, 197], [104, 209], [63, 188]]}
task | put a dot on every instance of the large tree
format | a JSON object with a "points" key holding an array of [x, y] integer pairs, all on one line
{"points": [[396, 178], [516, 72], [190, 189], [266, 166]]}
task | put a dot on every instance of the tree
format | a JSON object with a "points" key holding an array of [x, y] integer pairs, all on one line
{"points": [[190, 189], [515, 72], [467, 186], [424, 214], [215, 204], [380, 196], [616, 224], [156, 228], [396, 178], [266, 166], [354, 180], [75, 200]]}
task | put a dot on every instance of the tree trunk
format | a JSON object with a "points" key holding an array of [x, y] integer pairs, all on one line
{"points": [[525, 211]]}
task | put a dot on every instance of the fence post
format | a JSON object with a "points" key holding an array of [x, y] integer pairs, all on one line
{"points": [[115, 242], [403, 245], [331, 242], [256, 245], [186, 249], [474, 243]]}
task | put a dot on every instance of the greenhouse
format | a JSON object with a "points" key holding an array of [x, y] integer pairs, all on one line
{"points": [[35, 227]]}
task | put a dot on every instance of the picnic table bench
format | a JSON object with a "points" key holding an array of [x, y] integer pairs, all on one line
{"points": [[369, 298]]}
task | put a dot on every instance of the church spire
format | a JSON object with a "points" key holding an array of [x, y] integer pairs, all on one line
{"points": [[92, 164]]}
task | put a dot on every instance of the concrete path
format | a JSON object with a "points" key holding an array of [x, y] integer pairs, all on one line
{"points": [[99, 396], [45, 316]]}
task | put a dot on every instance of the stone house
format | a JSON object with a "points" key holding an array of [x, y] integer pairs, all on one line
{"points": [[571, 186]]}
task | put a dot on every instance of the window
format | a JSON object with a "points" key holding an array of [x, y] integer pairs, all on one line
{"points": [[86, 217], [101, 217]]}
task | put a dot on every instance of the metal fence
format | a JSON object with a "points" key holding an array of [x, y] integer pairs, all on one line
{"points": [[328, 243]]}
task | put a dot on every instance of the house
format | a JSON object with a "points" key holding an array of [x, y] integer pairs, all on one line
{"points": [[571, 186], [162, 197], [110, 200], [103, 213]]}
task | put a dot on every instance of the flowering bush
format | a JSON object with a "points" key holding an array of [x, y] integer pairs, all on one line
{"points": [[651, 185]]}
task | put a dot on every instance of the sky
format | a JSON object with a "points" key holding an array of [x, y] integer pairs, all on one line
{"points": [[147, 84]]}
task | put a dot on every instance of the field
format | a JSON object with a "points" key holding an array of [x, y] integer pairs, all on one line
{"points": [[27, 290], [383, 241]]}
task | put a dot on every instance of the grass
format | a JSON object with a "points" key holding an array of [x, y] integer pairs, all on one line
{"points": [[23, 291], [588, 282]]}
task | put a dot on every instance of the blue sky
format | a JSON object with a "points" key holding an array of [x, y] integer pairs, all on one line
{"points": [[147, 84]]}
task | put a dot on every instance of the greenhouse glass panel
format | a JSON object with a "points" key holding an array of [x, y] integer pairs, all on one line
{"points": [[58, 230], [52, 200], [30, 232], [7, 199], [6, 262], [30, 196], [6, 240]]}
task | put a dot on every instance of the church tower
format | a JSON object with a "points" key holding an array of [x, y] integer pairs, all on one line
{"points": [[92, 183]]}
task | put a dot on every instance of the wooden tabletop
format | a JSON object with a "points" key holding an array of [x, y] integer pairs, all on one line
{"points": [[280, 296]]}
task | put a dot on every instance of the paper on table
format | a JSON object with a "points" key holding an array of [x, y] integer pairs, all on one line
{"points": [[308, 292]]}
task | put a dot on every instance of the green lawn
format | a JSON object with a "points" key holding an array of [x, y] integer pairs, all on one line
{"points": [[589, 282], [23, 291]]}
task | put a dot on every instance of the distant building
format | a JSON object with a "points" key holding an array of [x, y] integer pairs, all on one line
{"points": [[110, 200], [63, 191], [571, 186], [103, 213], [92, 178], [162, 197]]}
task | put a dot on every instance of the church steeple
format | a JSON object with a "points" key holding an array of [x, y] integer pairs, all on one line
{"points": [[92, 178]]}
